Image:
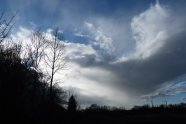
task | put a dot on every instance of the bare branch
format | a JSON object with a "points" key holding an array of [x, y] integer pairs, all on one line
{"points": [[5, 26], [55, 60]]}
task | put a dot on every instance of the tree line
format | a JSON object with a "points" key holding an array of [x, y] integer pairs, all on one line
{"points": [[23, 85]]}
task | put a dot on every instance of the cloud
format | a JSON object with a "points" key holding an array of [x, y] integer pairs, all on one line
{"points": [[81, 54], [111, 35], [122, 60], [165, 65], [159, 56], [150, 30], [103, 41], [171, 88]]}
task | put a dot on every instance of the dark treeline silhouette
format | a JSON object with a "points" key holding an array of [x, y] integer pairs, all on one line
{"points": [[17, 84], [26, 97], [25, 94]]}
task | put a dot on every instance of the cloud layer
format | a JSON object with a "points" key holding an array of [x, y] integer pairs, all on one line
{"points": [[125, 60], [158, 57]]}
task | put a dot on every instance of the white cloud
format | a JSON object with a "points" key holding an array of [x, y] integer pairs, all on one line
{"points": [[150, 30], [77, 49], [94, 82], [102, 40], [80, 34], [112, 34], [22, 34]]}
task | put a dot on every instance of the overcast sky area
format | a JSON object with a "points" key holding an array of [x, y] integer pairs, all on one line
{"points": [[119, 52]]}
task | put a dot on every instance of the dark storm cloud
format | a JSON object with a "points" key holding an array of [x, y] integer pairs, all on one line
{"points": [[144, 76]]}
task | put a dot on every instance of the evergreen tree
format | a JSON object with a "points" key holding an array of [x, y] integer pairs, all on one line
{"points": [[72, 104]]}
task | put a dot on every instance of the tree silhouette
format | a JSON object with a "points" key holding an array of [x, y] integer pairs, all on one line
{"points": [[72, 104], [35, 49], [5, 26], [16, 86], [54, 59], [34, 53]]}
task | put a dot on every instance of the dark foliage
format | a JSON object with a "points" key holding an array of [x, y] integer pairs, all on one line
{"points": [[72, 104], [17, 84]]}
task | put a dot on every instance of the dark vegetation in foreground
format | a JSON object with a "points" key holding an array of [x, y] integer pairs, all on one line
{"points": [[26, 97]]}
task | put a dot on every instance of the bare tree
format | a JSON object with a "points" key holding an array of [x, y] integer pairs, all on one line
{"points": [[35, 49], [55, 57], [33, 54], [5, 26]]}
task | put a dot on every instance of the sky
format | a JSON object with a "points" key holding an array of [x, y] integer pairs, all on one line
{"points": [[119, 52]]}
